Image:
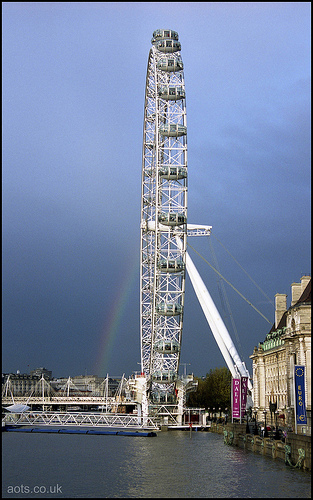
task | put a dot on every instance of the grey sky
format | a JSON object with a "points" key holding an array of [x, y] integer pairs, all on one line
{"points": [[73, 96]]}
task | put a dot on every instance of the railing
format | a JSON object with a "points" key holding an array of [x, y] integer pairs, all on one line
{"points": [[62, 400], [80, 419]]}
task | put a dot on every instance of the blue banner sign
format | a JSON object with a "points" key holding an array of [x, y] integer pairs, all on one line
{"points": [[300, 395]]}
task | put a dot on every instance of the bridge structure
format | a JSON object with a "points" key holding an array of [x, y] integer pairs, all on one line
{"points": [[45, 407], [46, 397], [62, 401]]}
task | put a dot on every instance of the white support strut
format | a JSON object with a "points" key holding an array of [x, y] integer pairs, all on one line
{"points": [[216, 323]]}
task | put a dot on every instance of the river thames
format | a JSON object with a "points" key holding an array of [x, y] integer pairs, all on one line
{"points": [[175, 464]]}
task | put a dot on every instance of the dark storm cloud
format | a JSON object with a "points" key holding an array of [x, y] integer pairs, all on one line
{"points": [[73, 97]]}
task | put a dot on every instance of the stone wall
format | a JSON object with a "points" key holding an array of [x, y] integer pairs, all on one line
{"points": [[295, 452], [299, 442]]}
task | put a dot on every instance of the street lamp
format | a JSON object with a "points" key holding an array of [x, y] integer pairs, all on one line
{"points": [[255, 421], [265, 428], [226, 415], [288, 417], [247, 424], [276, 429]]}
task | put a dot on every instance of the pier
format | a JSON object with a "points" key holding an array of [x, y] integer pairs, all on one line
{"points": [[79, 419]]}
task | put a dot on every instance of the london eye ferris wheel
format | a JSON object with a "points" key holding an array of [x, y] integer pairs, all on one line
{"points": [[164, 230], [163, 217]]}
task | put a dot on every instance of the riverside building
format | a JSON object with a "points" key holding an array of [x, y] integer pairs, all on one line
{"points": [[288, 343]]}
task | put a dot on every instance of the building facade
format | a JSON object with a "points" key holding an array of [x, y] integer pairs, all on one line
{"points": [[24, 384], [41, 372], [287, 344]]}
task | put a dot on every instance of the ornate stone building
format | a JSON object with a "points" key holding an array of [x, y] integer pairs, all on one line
{"points": [[287, 344]]}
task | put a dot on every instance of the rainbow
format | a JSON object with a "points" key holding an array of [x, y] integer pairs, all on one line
{"points": [[112, 323]]}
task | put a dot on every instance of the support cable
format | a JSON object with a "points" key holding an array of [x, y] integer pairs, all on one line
{"points": [[260, 289], [224, 299], [242, 296]]}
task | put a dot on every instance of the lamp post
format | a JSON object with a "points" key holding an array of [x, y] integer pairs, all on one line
{"points": [[265, 428], [284, 423], [248, 413], [288, 417], [276, 429], [255, 421], [226, 415]]}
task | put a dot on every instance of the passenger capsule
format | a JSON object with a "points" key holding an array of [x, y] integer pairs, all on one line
{"points": [[173, 173], [164, 34], [172, 129], [163, 397], [171, 265], [168, 46], [172, 218], [171, 93], [170, 64], [166, 309], [167, 346], [164, 377]]}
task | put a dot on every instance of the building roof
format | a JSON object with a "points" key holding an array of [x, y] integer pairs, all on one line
{"points": [[305, 298], [306, 295]]}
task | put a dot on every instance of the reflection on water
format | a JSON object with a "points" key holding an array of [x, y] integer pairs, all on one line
{"points": [[172, 465]]}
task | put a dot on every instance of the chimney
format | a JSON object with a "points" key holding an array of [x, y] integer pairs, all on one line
{"points": [[280, 307], [305, 280], [296, 292]]}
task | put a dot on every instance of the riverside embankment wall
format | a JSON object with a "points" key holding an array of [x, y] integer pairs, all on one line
{"points": [[295, 451]]}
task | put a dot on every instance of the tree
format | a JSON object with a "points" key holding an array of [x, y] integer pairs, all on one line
{"points": [[214, 391]]}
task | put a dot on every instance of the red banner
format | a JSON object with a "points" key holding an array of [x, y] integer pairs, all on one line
{"points": [[236, 398], [244, 392]]}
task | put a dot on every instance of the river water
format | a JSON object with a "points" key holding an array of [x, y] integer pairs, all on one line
{"points": [[175, 464]]}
